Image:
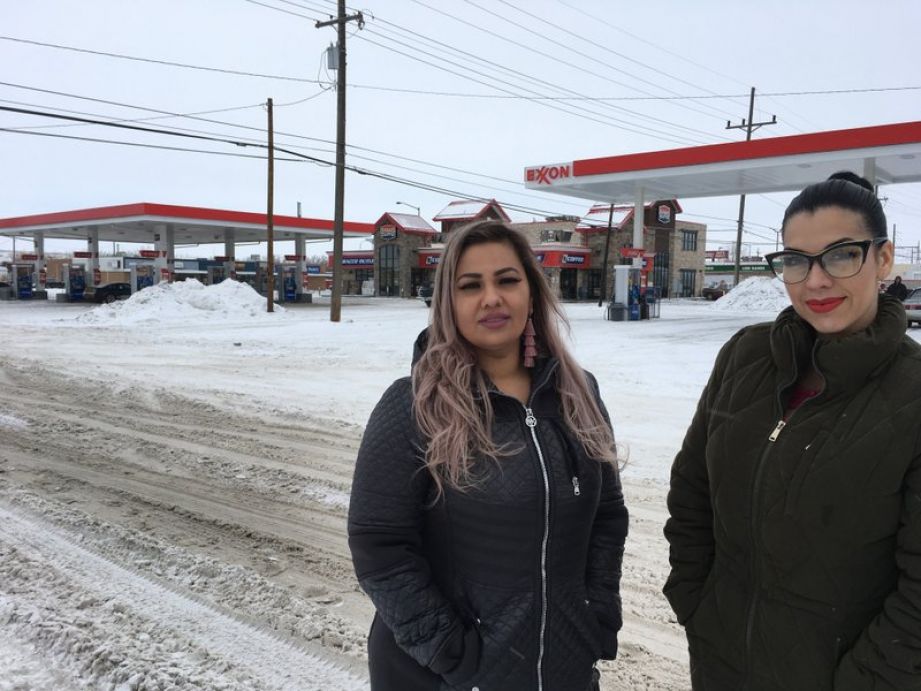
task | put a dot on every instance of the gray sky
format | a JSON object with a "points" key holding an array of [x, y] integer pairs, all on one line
{"points": [[470, 142]]}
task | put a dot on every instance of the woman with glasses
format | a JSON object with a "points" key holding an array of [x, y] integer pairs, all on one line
{"points": [[795, 501]]}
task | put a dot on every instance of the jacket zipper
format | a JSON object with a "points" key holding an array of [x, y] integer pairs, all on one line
{"points": [[531, 422], [753, 526]]}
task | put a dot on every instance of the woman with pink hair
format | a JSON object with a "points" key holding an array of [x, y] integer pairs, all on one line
{"points": [[487, 522]]}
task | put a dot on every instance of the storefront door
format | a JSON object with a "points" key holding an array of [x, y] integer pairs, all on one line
{"points": [[568, 281]]}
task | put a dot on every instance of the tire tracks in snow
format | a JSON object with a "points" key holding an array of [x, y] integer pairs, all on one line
{"points": [[205, 642]]}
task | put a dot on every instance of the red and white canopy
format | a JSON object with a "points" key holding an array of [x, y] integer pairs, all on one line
{"points": [[886, 154]]}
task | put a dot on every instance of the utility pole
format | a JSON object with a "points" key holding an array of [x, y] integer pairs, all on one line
{"points": [[270, 215], [335, 308], [748, 126]]}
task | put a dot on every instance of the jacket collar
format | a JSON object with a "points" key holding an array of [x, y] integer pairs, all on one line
{"points": [[845, 362], [541, 377]]}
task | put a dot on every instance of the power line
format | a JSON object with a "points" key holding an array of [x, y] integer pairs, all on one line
{"points": [[156, 61], [494, 65], [257, 129], [140, 145], [464, 75], [558, 59], [355, 169], [582, 37], [683, 97], [536, 80], [453, 94]]}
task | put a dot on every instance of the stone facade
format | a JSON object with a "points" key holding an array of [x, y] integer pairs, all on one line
{"points": [[688, 259]]}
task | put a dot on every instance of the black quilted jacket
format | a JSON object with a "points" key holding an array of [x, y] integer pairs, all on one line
{"points": [[796, 551], [513, 584]]}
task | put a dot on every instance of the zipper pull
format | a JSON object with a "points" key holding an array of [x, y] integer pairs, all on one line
{"points": [[776, 433], [575, 485], [530, 420]]}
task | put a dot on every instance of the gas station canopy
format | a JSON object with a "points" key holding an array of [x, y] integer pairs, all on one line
{"points": [[885, 154], [142, 222]]}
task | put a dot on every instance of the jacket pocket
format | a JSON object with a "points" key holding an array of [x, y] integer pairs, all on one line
{"points": [[502, 617], [802, 471]]}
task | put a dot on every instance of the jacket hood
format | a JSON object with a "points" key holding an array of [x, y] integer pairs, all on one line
{"points": [[422, 342]]}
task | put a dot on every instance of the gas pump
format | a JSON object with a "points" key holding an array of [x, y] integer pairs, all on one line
{"points": [[289, 283], [22, 274], [216, 274], [627, 293], [74, 282], [144, 275]]}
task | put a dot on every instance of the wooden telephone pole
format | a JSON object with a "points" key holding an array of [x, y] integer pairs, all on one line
{"points": [[270, 216], [749, 126], [335, 308]]}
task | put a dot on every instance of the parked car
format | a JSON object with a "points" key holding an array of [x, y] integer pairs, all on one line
{"points": [[110, 292], [715, 291], [913, 307], [425, 293]]}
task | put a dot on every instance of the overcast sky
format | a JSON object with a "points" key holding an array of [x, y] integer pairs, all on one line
{"points": [[435, 97]]}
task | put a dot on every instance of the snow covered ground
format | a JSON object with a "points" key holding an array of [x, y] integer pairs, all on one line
{"points": [[173, 491]]}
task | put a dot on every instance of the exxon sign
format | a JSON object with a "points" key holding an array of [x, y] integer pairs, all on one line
{"points": [[547, 175]]}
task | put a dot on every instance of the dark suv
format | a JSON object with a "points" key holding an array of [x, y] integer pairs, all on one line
{"points": [[110, 292]]}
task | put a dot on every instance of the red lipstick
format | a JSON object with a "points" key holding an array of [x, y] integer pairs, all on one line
{"points": [[824, 305]]}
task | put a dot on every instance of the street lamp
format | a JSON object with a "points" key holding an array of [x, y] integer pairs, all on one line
{"points": [[413, 206]]}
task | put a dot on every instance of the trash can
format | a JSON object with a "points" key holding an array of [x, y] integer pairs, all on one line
{"points": [[617, 312], [634, 312]]}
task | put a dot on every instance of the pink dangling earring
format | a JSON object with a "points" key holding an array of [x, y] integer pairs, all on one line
{"points": [[530, 345]]}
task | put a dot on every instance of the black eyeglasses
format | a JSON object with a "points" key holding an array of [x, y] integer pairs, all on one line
{"points": [[843, 260]]}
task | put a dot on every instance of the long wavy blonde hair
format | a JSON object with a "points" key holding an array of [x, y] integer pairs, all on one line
{"points": [[451, 402]]}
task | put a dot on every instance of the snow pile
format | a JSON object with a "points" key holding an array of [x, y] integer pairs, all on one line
{"points": [[757, 294], [184, 301]]}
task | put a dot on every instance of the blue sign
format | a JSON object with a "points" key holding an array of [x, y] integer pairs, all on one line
{"points": [[313, 269], [358, 261]]}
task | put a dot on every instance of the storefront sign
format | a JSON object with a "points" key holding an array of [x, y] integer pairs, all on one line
{"points": [[631, 252], [556, 259], [29, 257], [83, 255], [545, 175], [717, 254], [388, 232], [313, 269], [664, 213], [358, 261]]}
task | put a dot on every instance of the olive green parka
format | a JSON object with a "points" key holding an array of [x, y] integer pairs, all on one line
{"points": [[796, 548]]}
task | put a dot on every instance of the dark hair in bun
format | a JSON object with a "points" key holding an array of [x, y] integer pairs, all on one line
{"points": [[848, 191]]}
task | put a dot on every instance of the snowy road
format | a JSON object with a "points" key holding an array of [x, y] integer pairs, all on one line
{"points": [[206, 647]]}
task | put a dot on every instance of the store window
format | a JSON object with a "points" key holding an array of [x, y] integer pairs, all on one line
{"points": [[689, 240], [687, 279], [389, 257]]}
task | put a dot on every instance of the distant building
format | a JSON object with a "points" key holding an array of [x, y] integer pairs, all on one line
{"points": [[407, 249]]}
